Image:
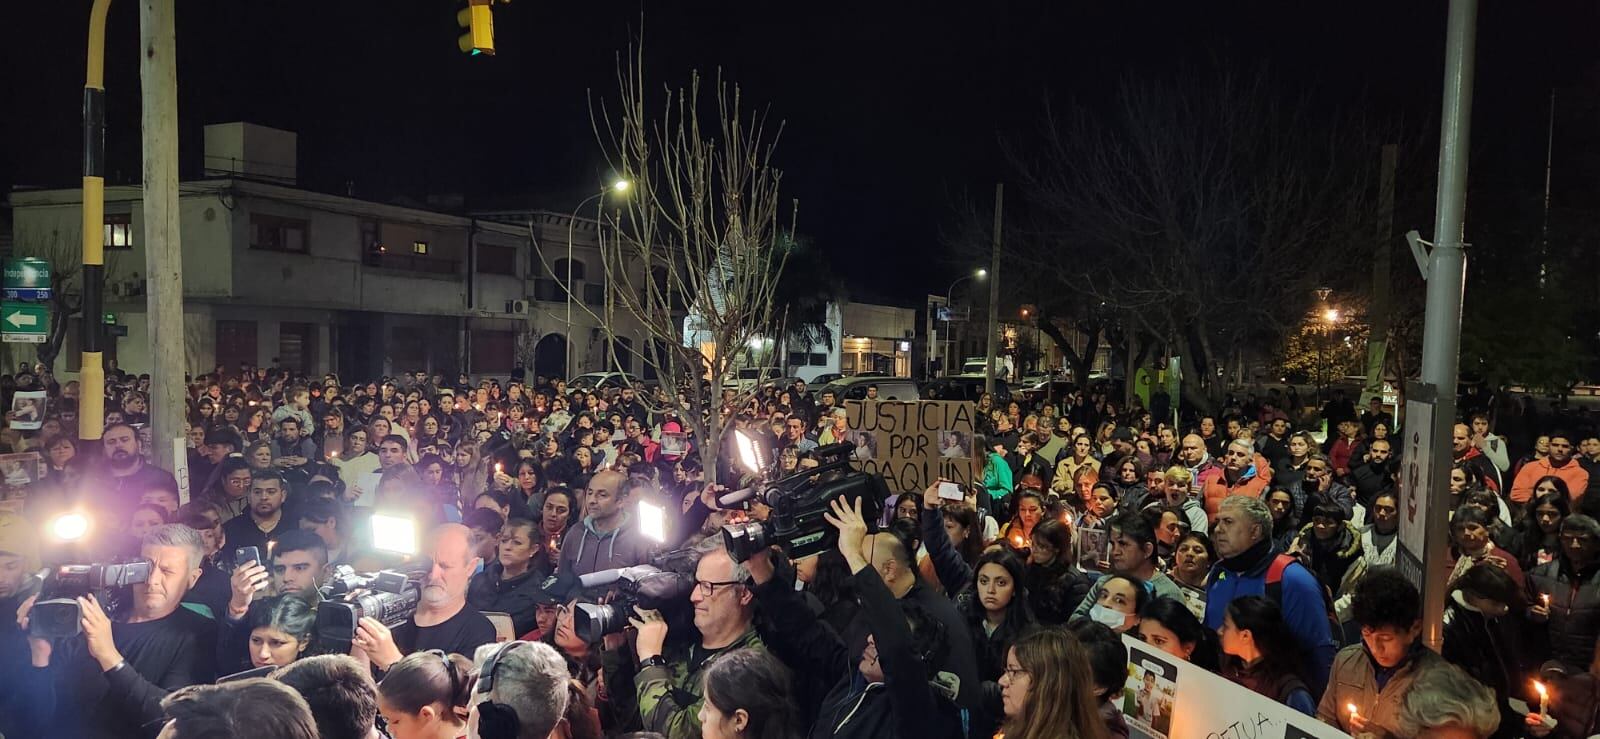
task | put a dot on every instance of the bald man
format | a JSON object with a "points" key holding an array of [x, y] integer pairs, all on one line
{"points": [[442, 621], [608, 536]]}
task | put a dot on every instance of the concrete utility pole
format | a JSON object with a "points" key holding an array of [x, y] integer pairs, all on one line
{"points": [[163, 258], [1446, 272], [92, 373], [994, 290]]}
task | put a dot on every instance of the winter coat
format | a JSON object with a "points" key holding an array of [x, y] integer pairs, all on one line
{"points": [[1574, 611], [519, 596], [1353, 681], [1299, 596], [1330, 561], [1489, 650], [1572, 473], [585, 550], [1055, 590], [1252, 481]]}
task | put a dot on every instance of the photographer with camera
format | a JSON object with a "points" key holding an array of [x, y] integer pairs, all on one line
{"points": [[900, 648], [442, 621], [668, 682], [115, 677]]}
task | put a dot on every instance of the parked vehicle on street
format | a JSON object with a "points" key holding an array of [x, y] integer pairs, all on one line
{"points": [[889, 388]]}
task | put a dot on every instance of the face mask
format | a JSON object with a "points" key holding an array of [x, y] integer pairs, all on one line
{"points": [[1109, 617]]}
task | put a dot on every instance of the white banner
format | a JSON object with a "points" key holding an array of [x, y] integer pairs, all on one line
{"points": [[1167, 698]]}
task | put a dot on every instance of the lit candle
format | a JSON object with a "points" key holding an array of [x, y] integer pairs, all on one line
{"points": [[1544, 699], [1545, 597], [334, 453], [498, 467], [1016, 540], [1352, 708]]}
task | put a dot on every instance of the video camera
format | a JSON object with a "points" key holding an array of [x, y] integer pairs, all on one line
{"points": [[56, 614], [656, 586], [798, 502], [388, 596]]}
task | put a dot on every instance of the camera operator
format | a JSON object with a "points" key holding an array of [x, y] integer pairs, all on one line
{"points": [[115, 677], [607, 537], [264, 519], [442, 621], [668, 682], [887, 691]]}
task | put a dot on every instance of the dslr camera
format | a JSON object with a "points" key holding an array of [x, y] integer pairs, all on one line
{"points": [[660, 585], [798, 502], [56, 614], [388, 596]]}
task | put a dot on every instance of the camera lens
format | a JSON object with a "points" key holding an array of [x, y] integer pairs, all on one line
{"points": [[743, 540], [593, 622]]}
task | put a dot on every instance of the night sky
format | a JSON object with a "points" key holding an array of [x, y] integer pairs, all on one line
{"points": [[892, 110]]}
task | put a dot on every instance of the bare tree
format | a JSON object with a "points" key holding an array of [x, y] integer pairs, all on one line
{"points": [[1201, 213], [698, 230]]}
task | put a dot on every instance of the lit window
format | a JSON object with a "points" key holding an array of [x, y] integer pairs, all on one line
{"points": [[419, 247], [118, 231]]}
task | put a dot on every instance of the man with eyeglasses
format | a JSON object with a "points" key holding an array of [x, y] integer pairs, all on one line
{"points": [[1565, 593], [669, 686]]}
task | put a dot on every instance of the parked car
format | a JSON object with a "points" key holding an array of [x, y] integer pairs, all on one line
{"points": [[889, 388], [964, 387], [603, 381], [1038, 387], [823, 379], [748, 378]]}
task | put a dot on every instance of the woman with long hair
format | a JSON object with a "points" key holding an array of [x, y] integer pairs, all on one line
{"points": [[555, 517], [1285, 519], [1262, 653], [281, 629], [1066, 474], [1102, 438], [472, 471], [1030, 510], [746, 695], [1537, 539], [1047, 691], [953, 556], [995, 606], [427, 696], [1168, 625]]}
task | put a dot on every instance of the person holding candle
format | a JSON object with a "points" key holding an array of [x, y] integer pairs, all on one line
{"points": [[1481, 637], [1447, 703], [1569, 582], [1375, 675]]}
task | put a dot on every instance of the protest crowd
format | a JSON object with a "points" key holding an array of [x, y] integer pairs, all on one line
{"points": [[565, 572]]}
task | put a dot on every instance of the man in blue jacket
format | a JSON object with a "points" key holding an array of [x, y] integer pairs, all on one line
{"points": [[1241, 534]]}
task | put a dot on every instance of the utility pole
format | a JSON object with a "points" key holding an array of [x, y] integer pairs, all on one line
{"points": [[163, 257], [994, 290], [1378, 335], [92, 373], [1446, 271]]}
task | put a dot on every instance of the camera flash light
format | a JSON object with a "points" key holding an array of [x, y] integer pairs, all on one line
{"points": [[69, 527], [653, 522]]}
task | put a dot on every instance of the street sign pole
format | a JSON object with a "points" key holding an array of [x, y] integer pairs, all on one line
{"points": [[1445, 269]]}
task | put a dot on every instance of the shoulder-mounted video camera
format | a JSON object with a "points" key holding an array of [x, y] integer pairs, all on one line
{"points": [[798, 502], [56, 614], [388, 596], [661, 585]]}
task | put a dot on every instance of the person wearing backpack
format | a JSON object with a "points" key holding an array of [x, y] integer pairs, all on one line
{"points": [[1248, 565]]}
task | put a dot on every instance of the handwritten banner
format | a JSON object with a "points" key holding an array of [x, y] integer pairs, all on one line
{"points": [[913, 443]]}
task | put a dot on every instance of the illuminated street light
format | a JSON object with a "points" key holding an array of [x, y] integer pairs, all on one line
{"points": [[621, 186], [1332, 314]]}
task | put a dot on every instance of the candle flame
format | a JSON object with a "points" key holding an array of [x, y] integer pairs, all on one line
{"points": [[1546, 598], [1540, 687], [1352, 708]]}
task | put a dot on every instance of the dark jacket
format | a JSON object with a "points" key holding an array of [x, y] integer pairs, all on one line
{"points": [[1371, 478], [1055, 590], [518, 596], [1574, 611], [819, 655], [1354, 680], [1489, 650]]}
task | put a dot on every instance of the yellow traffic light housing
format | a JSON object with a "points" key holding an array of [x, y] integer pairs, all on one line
{"points": [[477, 19]]}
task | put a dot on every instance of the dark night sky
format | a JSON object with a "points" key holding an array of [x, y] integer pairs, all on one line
{"points": [[892, 109]]}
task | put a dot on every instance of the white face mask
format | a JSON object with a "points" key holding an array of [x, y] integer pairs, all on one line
{"points": [[1107, 616]]}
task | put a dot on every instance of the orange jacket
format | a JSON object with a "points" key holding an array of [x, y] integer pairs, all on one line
{"points": [[1253, 482], [1572, 473]]}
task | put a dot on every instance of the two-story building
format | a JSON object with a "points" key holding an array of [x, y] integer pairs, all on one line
{"points": [[276, 274]]}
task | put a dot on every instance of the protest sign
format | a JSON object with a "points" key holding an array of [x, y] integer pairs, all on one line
{"points": [[27, 410], [914, 443], [20, 473], [1168, 698]]}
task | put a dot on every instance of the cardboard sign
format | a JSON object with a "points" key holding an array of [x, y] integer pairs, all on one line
{"points": [[27, 410], [914, 443], [20, 472]]}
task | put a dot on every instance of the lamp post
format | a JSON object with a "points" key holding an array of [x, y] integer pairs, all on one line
{"points": [[619, 187], [950, 291]]}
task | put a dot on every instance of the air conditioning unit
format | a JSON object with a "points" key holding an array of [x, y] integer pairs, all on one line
{"points": [[519, 307]]}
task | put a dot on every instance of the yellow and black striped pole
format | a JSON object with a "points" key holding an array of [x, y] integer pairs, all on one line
{"points": [[92, 375]]}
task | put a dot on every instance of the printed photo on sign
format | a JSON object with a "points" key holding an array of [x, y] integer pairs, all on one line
{"points": [[21, 472], [27, 410], [1149, 694], [1094, 548], [955, 444], [866, 445], [674, 444]]}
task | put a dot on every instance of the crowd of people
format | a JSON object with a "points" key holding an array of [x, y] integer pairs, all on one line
{"points": [[1240, 542]]}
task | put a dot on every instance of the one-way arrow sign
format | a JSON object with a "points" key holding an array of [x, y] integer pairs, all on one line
{"points": [[24, 323]]}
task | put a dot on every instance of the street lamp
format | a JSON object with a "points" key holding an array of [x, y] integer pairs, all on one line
{"points": [[618, 187], [975, 275]]}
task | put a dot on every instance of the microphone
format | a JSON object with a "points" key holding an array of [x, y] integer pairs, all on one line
{"points": [[736, 497]]}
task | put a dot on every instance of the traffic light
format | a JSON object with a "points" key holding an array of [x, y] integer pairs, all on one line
{"points": [[477, 19]]}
